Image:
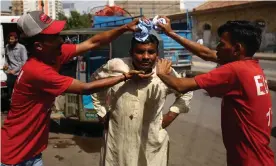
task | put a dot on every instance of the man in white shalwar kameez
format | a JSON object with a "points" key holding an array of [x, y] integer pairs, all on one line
{"points": [[136, 134]]}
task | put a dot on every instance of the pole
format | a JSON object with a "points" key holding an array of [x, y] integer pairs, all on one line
{"points": [[188, 21], [42, 5], [141, 11]]}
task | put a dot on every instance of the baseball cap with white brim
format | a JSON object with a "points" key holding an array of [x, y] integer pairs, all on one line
{"points": [[37, 22]]}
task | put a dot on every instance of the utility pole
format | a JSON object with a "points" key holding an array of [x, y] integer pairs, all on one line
{"points": [[42, 5]]}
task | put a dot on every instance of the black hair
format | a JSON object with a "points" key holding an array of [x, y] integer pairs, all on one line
{"points": [[28, 42], [14, 34], [245, 32], [151, 39]]}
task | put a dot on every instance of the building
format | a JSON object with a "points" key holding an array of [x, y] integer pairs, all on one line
{"points": [[149, 8], [54, 7], [30, 5], [50, 7], [17, 7], [211, 14], [67, 8]]}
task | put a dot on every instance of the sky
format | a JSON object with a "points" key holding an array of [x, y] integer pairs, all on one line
{"points": [[86, 5]]}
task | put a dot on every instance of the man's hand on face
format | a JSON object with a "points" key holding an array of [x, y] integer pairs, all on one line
{"points": [[137, 74], [163, 67], [165, 27]]}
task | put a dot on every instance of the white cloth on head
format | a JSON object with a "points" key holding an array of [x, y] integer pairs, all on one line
{"points": [[146, 26], [157, 20]]}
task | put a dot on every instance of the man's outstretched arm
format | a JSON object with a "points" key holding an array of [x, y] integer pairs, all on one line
{"points": [[79, 87], [182, 85], [201, 51], [104, 37]]}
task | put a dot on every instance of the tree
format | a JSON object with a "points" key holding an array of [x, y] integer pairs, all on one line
{"points": [[76, 20], [61, 16]]}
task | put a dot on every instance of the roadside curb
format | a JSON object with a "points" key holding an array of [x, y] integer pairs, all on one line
{"points": [[265, 56]]}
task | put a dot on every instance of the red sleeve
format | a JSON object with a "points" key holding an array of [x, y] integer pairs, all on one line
{"points": [[51, 82], [68, 51], [218, 81]]}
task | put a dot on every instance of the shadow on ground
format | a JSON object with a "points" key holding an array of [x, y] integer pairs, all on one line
{"points": [[75, 127], [88, 136], [5, 105], [273, 132]]}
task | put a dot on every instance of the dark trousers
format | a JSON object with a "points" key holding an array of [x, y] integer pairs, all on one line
{"points": [[10, 83]]}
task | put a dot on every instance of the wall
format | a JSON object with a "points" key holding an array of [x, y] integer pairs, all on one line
{"points": [[150, 8], [267, 13], [17, 7]]}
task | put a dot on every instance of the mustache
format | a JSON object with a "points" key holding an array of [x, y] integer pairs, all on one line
{"points": [[146, 61]]}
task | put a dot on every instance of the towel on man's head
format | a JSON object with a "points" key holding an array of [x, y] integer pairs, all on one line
{"points": [[146, 26]]}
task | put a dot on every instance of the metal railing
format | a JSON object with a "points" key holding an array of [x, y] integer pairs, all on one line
{"points": [[113, 23], [265, 56]]}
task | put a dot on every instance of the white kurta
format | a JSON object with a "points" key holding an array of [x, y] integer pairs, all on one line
{"points": [[135, 136]]}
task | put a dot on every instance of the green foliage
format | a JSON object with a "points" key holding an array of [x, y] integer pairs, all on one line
{"points": [[77, 20]]}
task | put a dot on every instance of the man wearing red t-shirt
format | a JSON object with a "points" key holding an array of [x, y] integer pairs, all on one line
{"points": [[24, 134], [246, 113]]}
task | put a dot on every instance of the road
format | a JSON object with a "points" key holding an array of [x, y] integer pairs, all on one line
{"points": [[268, 66], [195, 138]]}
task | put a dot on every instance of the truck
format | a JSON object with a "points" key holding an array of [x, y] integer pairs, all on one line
{"points": [[180, 57], [110, 21], [7, 24], [111, 16]]}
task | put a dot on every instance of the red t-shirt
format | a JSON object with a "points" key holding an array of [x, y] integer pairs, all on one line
{"points": [[246, 111], [26, 129]]}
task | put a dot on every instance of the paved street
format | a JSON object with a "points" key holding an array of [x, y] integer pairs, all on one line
{"points": [[195, 138], [268, 66]]}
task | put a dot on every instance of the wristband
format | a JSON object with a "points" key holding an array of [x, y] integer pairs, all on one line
{"points": [[125, 79]]}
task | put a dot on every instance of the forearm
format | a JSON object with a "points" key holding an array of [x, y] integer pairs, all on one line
{"points": [[24, 56], [23, 60], [99, 85], [100, 39], [201, 51], [168, 119], [181, 105], [78, 87], [108, 36], [182, 85], [16, 69]]}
